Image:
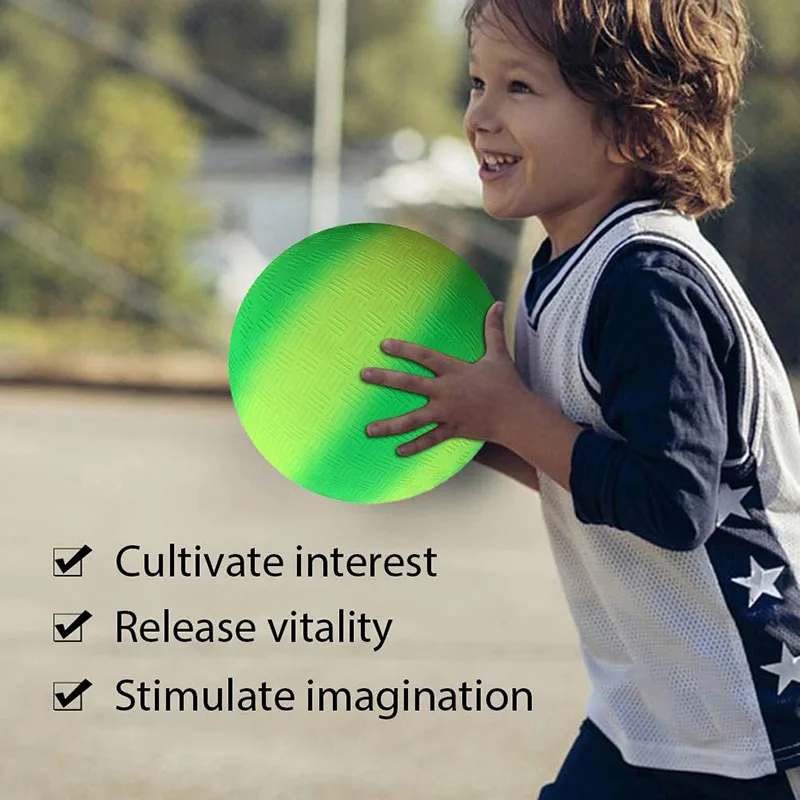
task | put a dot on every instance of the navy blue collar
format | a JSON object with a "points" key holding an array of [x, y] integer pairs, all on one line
{"points": [[542, 257]]}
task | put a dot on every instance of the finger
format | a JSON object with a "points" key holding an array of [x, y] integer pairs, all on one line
{"points": [[494, 330], [438, 435], [403, 424], [418, 384], [434, 361]]}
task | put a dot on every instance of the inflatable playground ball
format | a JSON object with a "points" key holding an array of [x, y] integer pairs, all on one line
{"points": [[314, 319]]}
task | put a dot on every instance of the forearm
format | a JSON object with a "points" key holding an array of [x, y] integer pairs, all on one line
{"points": [[669, 502], [540, 435], [508, 463]]}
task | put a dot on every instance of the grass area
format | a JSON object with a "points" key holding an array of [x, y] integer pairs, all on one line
{"points": [[95, 353], [41, 338]]}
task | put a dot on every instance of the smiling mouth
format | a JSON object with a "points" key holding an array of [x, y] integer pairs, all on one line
{"points": [[499, 163], [493, 167]]}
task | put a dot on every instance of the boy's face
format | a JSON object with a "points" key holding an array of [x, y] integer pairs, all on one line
{"points": [[520, 106]]}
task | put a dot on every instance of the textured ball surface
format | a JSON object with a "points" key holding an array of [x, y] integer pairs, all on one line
{"points": [[314, 319]]}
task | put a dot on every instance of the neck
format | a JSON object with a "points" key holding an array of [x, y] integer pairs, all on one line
{"points": [[570, 225]]}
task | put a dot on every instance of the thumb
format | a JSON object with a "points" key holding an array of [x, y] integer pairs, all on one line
{"points": [[495, 332]]}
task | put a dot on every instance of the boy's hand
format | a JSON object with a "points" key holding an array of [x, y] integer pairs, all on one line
{"points": [[467, 399]]}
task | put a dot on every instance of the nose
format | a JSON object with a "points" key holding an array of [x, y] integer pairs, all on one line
{"points": [[482, 115]]}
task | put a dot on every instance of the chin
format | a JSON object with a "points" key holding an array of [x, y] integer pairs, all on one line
{"points": [[517, 208], [502, 213]]}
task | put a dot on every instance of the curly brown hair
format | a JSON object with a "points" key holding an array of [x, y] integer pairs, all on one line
{"points": [[665, 77]]}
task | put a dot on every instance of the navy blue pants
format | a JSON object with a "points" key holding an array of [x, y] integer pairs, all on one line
{"points": [[594, 769]]}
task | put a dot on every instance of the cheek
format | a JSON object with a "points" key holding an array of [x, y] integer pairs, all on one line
{"points": [[581, 137], [557, 133]]}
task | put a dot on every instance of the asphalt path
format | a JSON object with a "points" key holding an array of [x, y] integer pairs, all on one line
{"points": [[111, 471]]}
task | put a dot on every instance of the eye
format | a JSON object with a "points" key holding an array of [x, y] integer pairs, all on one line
{"points": [[514, 85]]}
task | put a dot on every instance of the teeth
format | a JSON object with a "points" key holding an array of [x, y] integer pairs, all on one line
{"points": [[493, 160]]}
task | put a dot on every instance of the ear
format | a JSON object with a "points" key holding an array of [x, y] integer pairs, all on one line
{"points": [[618, 154], [615, 153]]}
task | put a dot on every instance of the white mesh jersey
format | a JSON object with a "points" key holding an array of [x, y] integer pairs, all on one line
{"points": [[693, 655]]}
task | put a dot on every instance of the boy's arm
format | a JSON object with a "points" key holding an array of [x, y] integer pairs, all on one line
{"points": [[503, 460], [663, 393], [540, 435]]}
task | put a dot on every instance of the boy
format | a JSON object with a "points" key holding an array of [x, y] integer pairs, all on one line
{"points": [[657, 420]]}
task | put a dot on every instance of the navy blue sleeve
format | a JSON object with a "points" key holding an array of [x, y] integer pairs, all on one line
{"points": [[655, 340]]}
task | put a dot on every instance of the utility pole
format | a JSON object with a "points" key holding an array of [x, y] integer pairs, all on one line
{"points": [[329, 89]]}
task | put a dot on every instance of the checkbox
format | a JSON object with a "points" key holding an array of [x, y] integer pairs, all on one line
{"points": [[68, 696], [69, 627], [68, 561]]}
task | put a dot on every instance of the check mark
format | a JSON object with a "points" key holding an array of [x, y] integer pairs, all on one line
{"points": [[65, 700], [66, 630], [66, 564]]}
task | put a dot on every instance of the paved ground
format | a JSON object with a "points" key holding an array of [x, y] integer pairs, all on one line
{"points": [[116, 470]]}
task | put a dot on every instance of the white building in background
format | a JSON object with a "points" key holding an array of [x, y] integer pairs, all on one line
{"points": [[260, 199], [259, 202]]}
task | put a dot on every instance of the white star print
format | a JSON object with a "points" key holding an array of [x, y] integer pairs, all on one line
{"points": [[760, 581], [729, 501], [787, 669]]}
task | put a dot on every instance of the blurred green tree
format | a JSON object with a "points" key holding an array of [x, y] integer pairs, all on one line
{"points": [[100, 157]]}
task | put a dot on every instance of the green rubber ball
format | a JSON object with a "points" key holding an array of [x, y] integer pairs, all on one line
{"points": [[314, 319]]}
